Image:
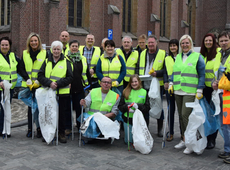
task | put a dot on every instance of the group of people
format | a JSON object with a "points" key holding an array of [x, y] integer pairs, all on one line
{"points": [[113, 76]]}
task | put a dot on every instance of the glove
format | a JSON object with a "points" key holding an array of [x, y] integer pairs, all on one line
{"points": [[170, 89], [29, 84], [199, 94], [135, 106], [36, 84], [151, 71], [131, 110], [115, 84]]}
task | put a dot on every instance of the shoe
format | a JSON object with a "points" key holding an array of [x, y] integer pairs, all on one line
{"points": [[62, 138], [224, 155], [39, 133], [187, 151], [210, 145], [170, 138], [68, 132], [180, 145], [227, 160], [3, 135], [29, 133]]}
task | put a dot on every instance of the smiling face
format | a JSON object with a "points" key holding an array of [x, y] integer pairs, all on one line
{"points": [[135, 83], [152, 45], [142, 43], [5, 46], [64, 37], [109, 50], [185, 45], [89, 40], [106, 84], [56, 52], [34, 43], [173, 48], [208, 42], [74, 48]]}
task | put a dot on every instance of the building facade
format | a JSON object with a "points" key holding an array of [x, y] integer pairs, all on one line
{"points": [[167, 19]]}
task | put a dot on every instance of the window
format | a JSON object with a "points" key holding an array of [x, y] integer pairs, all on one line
{"points": [[163, 13], [127, 15], [78, 13], [5, 12]]}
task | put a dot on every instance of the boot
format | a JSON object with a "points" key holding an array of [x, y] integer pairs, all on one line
{"points": [[29, 133], [62, 138], [39, 133], [160, 127]]}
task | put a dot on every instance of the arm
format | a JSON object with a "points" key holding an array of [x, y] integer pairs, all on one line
{"points": [[63, 82], [41, 76], [21, 69], [201, 72], [98, 70], [123, 107], [88, 76], [123, 70]]}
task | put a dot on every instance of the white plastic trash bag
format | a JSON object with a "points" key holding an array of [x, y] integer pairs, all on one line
{"points": [[48, 112], [142, 139], [195, 138], [155, 99], [6, 107], [216, 101], [108, 128]]}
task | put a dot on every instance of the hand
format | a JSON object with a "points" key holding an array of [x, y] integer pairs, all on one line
{"points": [[91, 71], [2, 85], [166, 86], [151, 71], [82, 102], [215, 85], [53, 85], [199, 94], [29, 84], [154, 74], [36, 84], [115, 84], [170, 89]]}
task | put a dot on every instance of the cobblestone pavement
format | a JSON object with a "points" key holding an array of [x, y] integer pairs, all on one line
{"points": [[22, 153]]}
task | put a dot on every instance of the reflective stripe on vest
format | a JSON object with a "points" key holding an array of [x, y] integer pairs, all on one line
{"points": [[9, 71], [157, 64], [56, 73], [32, 68], [169, 62], [209, 74], [111, 69], [131, 63], [185, 73], [136, 96], [97, 105], [226, 107], [95, 57]]}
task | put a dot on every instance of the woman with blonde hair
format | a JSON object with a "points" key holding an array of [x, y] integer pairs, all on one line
{"points": [[32, 60], [134, 93]]}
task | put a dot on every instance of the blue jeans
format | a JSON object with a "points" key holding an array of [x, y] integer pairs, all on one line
{"points": [[225, 128], [2, 111]]}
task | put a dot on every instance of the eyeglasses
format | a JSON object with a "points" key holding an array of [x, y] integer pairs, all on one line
{"points": [[106, 82]]}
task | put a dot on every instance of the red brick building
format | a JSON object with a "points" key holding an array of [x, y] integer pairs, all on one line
{"points": [[166, 19]]}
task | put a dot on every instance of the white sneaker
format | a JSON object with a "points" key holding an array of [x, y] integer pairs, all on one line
{"points": [[187, 151], [180, 145]]}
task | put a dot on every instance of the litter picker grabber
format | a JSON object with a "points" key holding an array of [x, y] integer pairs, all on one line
{"points": [[128, 125], [82, 107], [165, 126]]}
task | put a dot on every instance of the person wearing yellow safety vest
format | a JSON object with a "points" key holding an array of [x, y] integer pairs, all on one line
{"points": [[112, 65], [141, 44], [169, 62], [9, 67], [134, 93], [32, 60], [56, 73], [152, 62], [64, 38], [187, 82], [92, 54], [223, 59], [209, 50], [130, 57], [81, 79]]}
